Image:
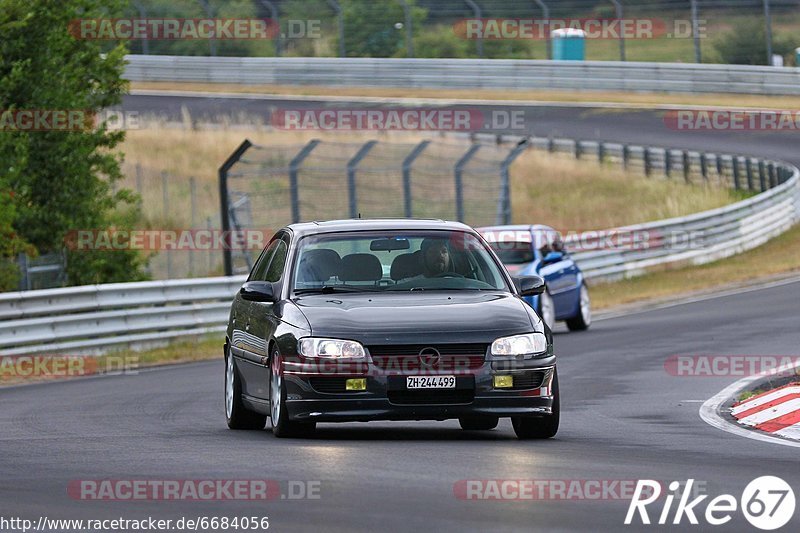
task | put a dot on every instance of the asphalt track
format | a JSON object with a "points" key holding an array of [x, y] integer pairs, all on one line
{"points": [[624, 416]]}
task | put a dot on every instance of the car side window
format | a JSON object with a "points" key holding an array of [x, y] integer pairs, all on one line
{"points": [[260, 268], [275, 271]]}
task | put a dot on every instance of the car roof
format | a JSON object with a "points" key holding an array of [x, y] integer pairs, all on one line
{"points": [[375, 224]]}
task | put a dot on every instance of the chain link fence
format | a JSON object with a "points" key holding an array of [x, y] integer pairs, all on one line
{"points": [[266, 187]]}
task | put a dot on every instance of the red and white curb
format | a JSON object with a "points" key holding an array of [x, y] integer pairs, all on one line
{"points": [[776, 412]]}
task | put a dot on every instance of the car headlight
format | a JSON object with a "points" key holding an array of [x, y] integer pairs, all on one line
{"points": [[331, 348], [528, 344]]}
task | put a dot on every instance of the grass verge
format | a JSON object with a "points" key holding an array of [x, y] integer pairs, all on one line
{"points": [[781, 255]]}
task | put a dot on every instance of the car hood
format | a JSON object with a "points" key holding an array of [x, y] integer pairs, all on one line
{"points": [[418, 317]]}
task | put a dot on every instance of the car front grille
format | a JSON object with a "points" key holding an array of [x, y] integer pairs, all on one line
{"points": [[405, 358], [330, 385]]}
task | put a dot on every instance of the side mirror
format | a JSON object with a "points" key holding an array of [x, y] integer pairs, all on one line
{"points": [[257, 291], [529, 285], [553, 257]]}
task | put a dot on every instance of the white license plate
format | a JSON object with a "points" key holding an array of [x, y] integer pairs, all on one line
{"points": [[431, 382]]}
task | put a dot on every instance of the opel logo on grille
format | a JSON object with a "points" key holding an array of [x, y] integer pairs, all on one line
{"points": [[429, 357]]}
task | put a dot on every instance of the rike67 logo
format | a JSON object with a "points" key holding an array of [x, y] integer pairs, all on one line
{"points": [[767, 502]]}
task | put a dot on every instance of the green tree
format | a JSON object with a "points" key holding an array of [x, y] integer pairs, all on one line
{"points": [[370, 27], [746, 44], [62, 180]]}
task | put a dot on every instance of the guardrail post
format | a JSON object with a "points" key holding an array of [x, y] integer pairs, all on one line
{"points": [[551, 145], [687, 167], [648, 164], [224, 207], [704, 166], [718, 161], [626, 153], [352, 165], [407, 162], [762, 178], [601, 152], [294, 167], [735, 168], [667, 162], [504, 205], [749, 167], [771, 173], [577, 149], [458, 174]]}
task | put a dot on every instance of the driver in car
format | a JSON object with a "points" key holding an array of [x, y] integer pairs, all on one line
{"points": [[435, 257]]}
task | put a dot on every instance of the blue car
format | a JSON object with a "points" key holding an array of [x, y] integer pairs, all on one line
{"points": [[539, 250]]}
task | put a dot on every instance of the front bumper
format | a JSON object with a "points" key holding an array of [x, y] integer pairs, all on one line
{"points": [[315, 397]]}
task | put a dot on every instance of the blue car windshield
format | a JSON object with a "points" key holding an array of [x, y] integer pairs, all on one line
{"points": [[375, 261], [513, 253]]}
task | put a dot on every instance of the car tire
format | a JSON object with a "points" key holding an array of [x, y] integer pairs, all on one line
{"points": [[478, 423], [236, 414], [583, 319], [547, 309], [282, 427], [540, 427]]}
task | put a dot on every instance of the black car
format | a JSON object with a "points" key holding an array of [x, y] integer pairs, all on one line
{"points": [[359, 320]]}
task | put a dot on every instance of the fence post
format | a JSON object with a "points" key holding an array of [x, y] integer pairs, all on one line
{"points": [[504, 205], [667, 162], [458, 174], [24, 280], [577, 149], [407, 162], [762, 178], [601, 151], [294, 167], [618, 9], [771, 173], [736, 181], [224, 207], [648, 165], [626, 153], [273, 13], [193, 201], [340, 23], [165, 214], [546, 14], [749, 162], [476, 10], [698, 58], [551, 145], [687, 167], [352, 165], [409, 28], [704, 166], [718, 161]]}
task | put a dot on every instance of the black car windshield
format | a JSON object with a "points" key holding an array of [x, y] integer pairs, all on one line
{"points": [[378, 261]]}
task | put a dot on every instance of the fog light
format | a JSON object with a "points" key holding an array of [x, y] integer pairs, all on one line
{"points": [[356, 384], [503, 382]]}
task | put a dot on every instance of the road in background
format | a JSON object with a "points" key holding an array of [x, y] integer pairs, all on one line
{"points": [[624, 418]]}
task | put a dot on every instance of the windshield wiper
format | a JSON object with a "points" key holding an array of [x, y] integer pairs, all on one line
{"points": [[329, 289]]}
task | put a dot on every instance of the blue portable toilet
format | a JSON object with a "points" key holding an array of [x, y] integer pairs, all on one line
{"points": [[569, 43]]}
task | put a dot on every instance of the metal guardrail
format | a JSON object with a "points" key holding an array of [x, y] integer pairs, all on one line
{"points": [[468, 74], [96, 318]]}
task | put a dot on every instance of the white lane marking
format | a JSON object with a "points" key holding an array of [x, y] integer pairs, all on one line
{"points": [[437, 101], [771, 413], [791, 432], [758, 402], [709, 413]]}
